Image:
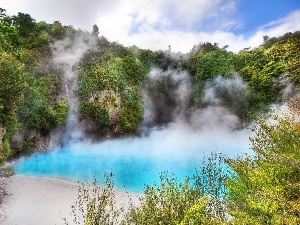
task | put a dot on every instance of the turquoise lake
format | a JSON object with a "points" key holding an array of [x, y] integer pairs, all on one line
{"points": [[135, 161]]}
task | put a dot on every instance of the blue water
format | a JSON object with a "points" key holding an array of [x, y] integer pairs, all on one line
{"points": [[134, 161]]}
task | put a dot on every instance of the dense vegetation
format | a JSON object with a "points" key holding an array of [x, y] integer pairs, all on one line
{"points": [[265, 188], [262, 189], [29, 90], [112, 77], [109, 88]]}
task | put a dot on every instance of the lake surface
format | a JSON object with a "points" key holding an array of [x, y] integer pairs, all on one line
{"points": [[135, 161]]}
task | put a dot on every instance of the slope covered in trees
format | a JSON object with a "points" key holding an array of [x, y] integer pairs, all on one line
{"points": [[111, 79]]}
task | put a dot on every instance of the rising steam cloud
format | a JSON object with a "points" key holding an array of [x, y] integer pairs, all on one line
{"points": [[169, 92], [67, 53]]}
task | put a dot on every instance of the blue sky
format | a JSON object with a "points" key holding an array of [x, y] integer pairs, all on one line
{"points": [[256, 13], [156, 24]]}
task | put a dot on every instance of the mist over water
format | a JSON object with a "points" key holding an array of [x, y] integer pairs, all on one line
{"points": [[173, 138], [136, 161]]}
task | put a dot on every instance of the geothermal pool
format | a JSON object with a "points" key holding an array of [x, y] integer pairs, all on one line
{"points": [[136, 161], [178, 148]]}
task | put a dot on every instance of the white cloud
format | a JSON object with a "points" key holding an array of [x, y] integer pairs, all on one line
{"points": [[69, 12], [144, 19], [168, 15], [155, 24]]}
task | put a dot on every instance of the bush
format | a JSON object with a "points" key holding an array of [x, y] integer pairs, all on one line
{"points": [[194, 200], [265, 188]]}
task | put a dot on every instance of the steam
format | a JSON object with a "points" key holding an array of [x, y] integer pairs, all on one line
{"points": [[166, 97], [194, 131], [177, 147], [214, 119], [177, 136], [235, 88], [67, 53]]}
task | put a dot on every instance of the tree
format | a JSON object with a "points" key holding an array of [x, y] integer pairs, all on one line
{"points": [[42, 110], [12, 88], [110, 90], [2, 13], [193, 200], [265, 188], [9, 36], [95, 30], [132, 109], [266, 37], [57, 30], [261, 73], [24, 23]]}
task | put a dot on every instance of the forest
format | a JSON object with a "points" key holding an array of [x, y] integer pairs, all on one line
{"points": [[263, 188]]}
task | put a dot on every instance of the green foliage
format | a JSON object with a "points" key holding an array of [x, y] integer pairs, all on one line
{"points": [[266, 67], [28, 92], [22, 31], [57, 31], [109, 89], [39, 42], [119, 50], [265, 188], [29, 58], [259, 72], [214, 63], [167, 202], [96, 79], [6, 151], [285, 51], [135, 71], [197, 214], [41, 110], [146, 57], [102, 116], [9, 36], [164, 61], [12, 88], [204, 48], [206, 65], [6, 171], [100, 75], [194, 200], [177, 202], [132, 109], [97, 112], [24, 23], [266, 70]]}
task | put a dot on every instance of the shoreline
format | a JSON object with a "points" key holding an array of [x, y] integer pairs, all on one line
{"points": [[44, 200]]}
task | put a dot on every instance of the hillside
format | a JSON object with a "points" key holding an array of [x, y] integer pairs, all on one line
{"points": [[52, 72]]}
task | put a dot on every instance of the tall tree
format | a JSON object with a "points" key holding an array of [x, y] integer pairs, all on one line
{"points": [[12, 88], [24, 23], [2, 13]]}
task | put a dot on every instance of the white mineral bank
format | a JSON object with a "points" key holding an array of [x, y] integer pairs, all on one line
{"points": [[43, 201]]}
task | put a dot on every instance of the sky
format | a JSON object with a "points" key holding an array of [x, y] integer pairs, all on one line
{"points": [[156, 24]]}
